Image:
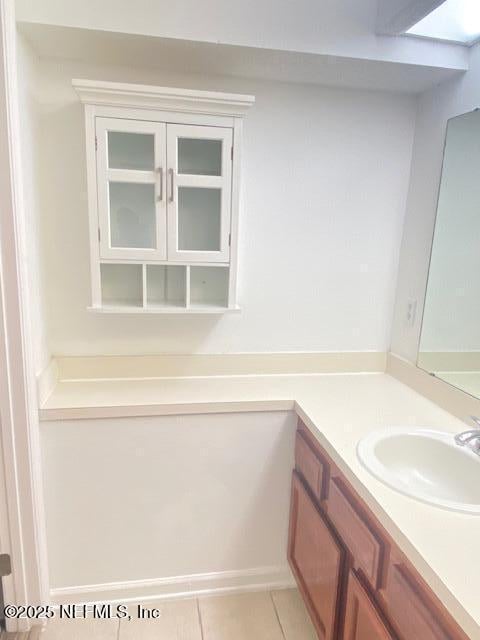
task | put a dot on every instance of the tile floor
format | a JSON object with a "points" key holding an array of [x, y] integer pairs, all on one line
{"points": [[265, 615]]}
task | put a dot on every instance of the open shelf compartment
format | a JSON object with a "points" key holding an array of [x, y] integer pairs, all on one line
{"points": [[166, 286], [208, 287], [163, 288], [122, 285]]}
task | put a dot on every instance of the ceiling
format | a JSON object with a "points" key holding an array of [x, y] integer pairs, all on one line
{"points": [[175, 55]]}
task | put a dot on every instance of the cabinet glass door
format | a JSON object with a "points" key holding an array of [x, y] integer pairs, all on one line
{"points": [[131, 156], [199, 191]]}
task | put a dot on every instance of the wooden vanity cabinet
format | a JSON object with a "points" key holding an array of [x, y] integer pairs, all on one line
{"points": [[355, 581]]}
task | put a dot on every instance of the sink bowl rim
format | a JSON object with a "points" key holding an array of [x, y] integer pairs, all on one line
{"points": [[366, 455]]}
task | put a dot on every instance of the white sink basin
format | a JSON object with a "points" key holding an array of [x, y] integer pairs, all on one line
{"points": [[426, 465]]}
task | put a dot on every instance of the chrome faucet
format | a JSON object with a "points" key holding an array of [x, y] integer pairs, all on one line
{"points": [[471, 437]]}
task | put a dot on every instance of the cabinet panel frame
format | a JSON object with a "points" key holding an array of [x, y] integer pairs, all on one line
{"points": [[176, 181], [156, 177]]}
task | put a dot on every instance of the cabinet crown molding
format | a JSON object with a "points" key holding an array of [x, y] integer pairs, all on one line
{"points": [[142, 96]]}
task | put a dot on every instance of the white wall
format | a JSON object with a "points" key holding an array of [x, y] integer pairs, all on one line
{"points": [[31, 153], [435, 108], [325, 180], [146, 498]]}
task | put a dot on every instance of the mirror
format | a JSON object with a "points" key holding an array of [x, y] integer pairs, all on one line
{"points": [[450, 338]]}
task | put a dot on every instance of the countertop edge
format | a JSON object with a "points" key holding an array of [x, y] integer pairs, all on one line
{"points": [[165, 409]]}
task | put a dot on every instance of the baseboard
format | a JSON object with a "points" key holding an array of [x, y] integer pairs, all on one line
{"points": [[257, 579]]}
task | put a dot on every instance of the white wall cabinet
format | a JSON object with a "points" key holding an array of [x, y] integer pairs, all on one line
{"points": [[163, 169]]}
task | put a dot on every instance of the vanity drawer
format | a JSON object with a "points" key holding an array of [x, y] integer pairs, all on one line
{"points": [[366, 547], [409, 613], [309, 466]]}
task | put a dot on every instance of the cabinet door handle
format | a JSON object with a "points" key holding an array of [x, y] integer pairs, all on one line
{"points": [[172, 185], [160, 192]]}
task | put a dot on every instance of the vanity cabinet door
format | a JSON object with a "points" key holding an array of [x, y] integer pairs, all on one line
{"points": [[363, 621], [365, 545], [317, 560], [411, 614], [199, 188]]}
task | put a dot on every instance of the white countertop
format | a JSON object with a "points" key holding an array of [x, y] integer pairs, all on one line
{"points": [[339, 409]]}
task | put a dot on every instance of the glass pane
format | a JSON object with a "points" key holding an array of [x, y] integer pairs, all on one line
{"points": [[131, 151], [199, 219], [200, 157], [132, 215]]}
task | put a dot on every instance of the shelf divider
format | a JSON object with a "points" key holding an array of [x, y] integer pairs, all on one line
{"points": [[187, 286], [144, 285]]}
